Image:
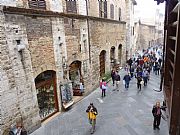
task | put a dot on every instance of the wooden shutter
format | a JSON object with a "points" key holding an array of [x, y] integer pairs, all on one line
{"points": [[100, 8], [71, 7], [105, 9], [37, 4], [119, 14], [112, 11]]}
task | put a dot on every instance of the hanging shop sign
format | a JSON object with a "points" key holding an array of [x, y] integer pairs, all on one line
{"points": [[66, 95]]}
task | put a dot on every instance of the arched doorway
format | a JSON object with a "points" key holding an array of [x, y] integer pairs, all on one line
{"points": [[102, 60], [120, 53], [46, 93], [112, 57], [75, 76]]}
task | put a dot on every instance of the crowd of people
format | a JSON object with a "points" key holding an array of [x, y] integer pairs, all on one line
{"points": [[139, 68]]}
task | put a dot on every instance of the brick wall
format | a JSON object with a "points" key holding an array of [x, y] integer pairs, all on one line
{"points": [[39, 34]]}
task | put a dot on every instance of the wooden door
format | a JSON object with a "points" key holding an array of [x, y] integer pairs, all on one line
{"points": [[102, 59]]}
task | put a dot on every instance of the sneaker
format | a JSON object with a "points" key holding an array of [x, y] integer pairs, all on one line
{"points": [[158, 128]]}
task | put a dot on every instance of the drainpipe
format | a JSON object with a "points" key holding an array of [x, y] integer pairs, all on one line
{"points": [[88, 31]]}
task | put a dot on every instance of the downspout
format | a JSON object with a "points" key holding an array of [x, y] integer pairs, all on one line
{"points": [[88, 32]]}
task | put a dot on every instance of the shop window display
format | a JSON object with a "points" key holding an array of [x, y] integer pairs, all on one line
{"points": [[46, 94]]}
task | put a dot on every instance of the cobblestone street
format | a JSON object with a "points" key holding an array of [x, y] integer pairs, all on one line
{"points": [[120, 113]]}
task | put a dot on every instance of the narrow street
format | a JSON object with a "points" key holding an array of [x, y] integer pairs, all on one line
{"points": [[120, 113]]}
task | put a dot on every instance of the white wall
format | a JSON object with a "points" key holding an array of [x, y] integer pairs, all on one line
{"points": [[56, 5]]}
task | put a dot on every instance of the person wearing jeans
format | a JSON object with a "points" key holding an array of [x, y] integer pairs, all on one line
{"points": [[127, 79], [103, 86], [92, 113]]}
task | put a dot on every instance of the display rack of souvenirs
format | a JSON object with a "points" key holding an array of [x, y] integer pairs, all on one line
{"points": [[46, 100]]}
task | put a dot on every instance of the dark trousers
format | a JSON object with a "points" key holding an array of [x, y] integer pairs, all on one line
{"points": [[103, 93], [139, 86], [157, 120], [145, 80], [113, 81], [126, 85]]}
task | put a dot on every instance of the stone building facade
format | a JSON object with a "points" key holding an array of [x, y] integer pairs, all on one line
{"points": [[145, 35], [46, 45]]}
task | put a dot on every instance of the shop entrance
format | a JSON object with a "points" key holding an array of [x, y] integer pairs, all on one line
{"points": [[120, 53], [46, 93], [76, 77], [102, 59]]}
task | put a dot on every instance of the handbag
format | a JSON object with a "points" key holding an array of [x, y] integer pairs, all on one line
{"points": [[104, 87], [142, 82]]}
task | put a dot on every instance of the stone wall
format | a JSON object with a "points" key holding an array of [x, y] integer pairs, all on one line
{"points": [[146, 36], [103, 36], [19, 100]]}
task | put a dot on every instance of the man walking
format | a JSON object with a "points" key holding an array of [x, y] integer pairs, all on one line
{"points": [[127, 79], [156, 111], [92, 113], [117, 79], [113, 74]]}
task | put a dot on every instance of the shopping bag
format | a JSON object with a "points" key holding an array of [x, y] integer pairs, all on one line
{"points": [[104, 87], [142, 82], [123, 82]]}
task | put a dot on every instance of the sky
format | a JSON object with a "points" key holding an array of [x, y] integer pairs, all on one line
{"points": [[146, 9]]}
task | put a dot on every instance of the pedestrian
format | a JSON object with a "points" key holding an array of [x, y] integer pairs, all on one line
{"points": [[103, 86], [145, 77], [113, 74], [117, 79], [81, 87], [92, 113], [139, 79], [156, 111], [127, 79]]}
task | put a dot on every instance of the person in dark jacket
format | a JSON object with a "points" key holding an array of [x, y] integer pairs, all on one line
{"points": [[117, 79], [113, 74], [127, 79], [156, 111], [139, 79]]}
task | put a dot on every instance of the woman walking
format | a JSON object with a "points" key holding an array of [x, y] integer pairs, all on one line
{"points": [[139, 79], [103, 86]]}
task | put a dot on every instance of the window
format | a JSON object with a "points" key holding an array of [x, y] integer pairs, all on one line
{"points": [[85, 45], [112, 11], [71, 6], [37, 4], [100, 9], [105, 9], [119, 14]]}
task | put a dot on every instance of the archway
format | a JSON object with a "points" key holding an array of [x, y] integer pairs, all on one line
{"points": [[75, 76], [120, 53], [102, 60], [112, 57], [46, 93]]}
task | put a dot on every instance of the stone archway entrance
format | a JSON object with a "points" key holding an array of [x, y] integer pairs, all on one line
{"points": [[120, 53], [112, 57], [75, 76], [102, 60], [47, 93]]}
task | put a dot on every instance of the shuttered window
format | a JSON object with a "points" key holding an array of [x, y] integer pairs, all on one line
{"points": [[100, 9], [71, 6], [37, 4], [119, 14], [105, 9], [112, 11]]}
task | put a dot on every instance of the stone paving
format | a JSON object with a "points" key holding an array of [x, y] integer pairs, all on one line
{"points": [[120, 113]]}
